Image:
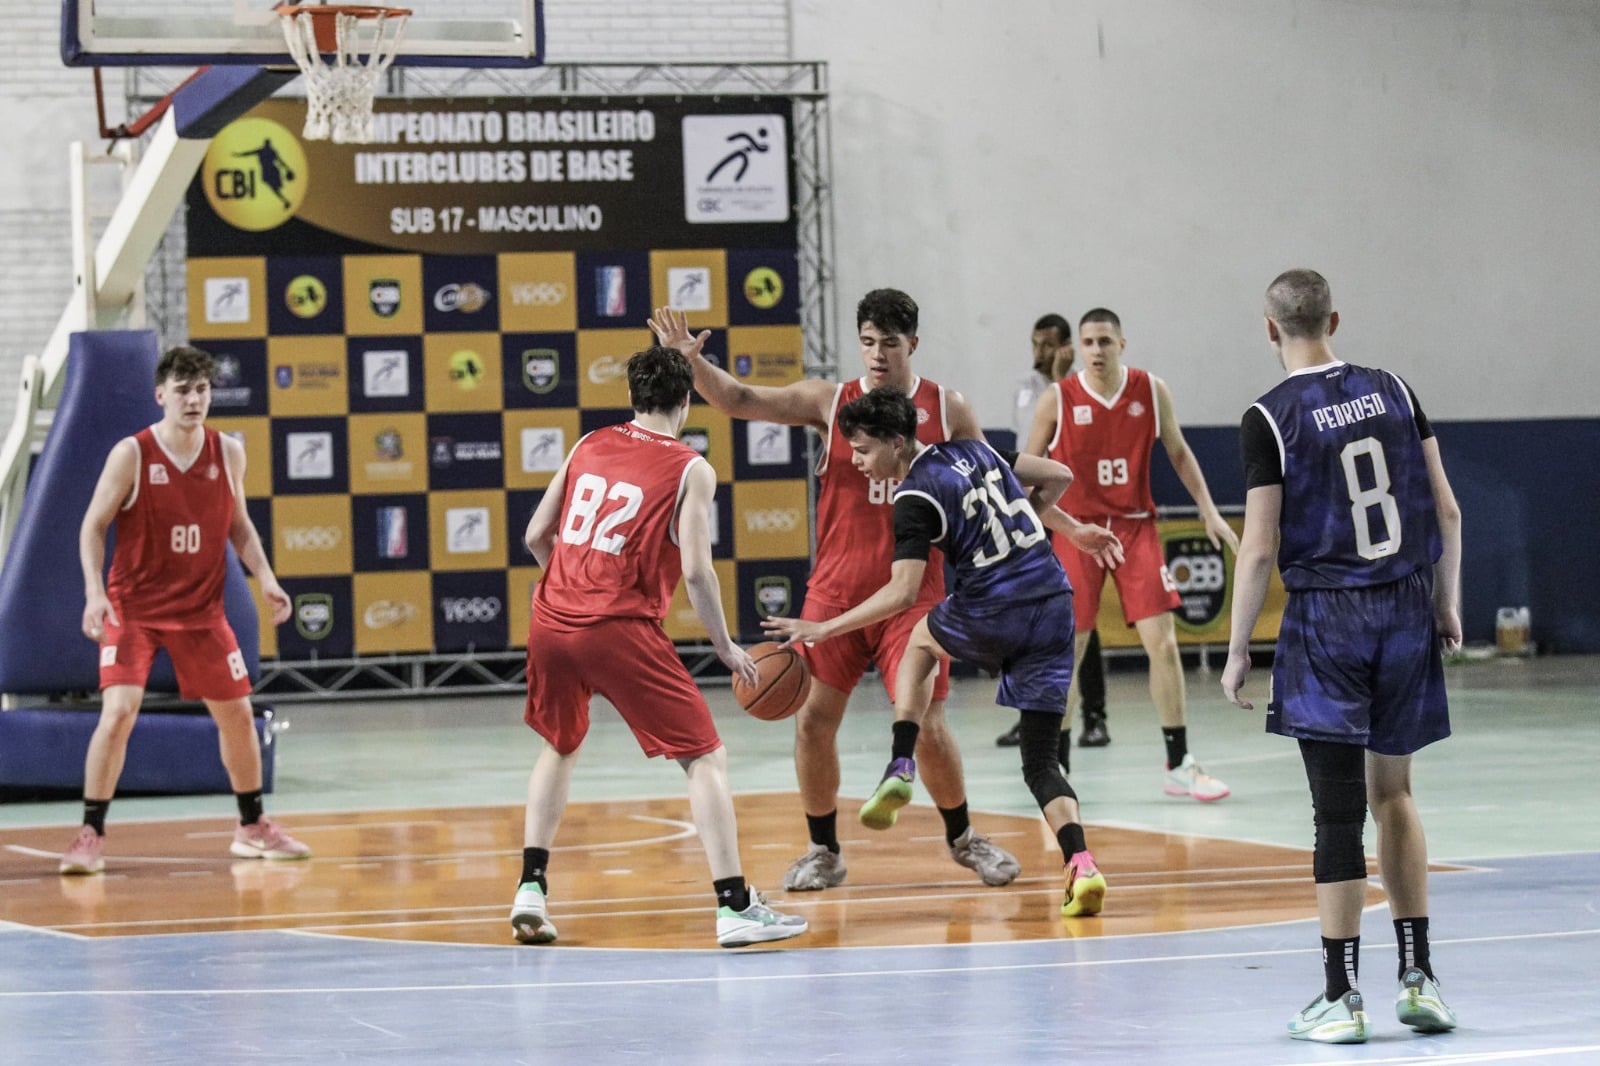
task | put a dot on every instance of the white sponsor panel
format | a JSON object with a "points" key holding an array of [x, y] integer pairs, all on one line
{"points": [[689, 288], [310, 456], [767, 443], [543, 448], [227, 299], [467, 530], [735, 168], [385, 373]]}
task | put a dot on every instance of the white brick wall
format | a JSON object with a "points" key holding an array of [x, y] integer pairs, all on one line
{"points": [[44, 106]]}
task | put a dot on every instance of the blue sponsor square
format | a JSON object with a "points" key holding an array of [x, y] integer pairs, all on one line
{"points": [[769, 587], [763, 287], [520, 505], [305, 295], [390, 532], [466, 451], [613, 290], [768, 451], [470, 611], [321, 623], [310, 456], [540, 369], [240, 385], [460, 293], [385, 374]]}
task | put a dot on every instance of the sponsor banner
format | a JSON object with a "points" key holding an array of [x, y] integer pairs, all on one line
{"points": [[768, 588], [388, 453], [305, 294], [320, 620], [240, 384], [227, 298], [311, 535], [469, 611], [307, 376], [682, 623], [385, 373], [770, 520], [462, 371], [382, 295], [467, 529], [393, 613]]}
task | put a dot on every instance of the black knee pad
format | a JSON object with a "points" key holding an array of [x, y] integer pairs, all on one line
{"points": [[1338, 778], [1041, 757]]}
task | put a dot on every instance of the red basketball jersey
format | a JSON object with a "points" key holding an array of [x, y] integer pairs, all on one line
{"points": [[1107, 444], [616, 551], [855, 514], [170, 556]]}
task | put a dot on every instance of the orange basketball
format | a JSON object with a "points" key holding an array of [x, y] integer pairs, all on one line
{"points": [[782, 685]]}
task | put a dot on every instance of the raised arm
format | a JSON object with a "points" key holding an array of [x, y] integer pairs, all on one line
{"points": [[802, 403], [246, 541], [1188, 469], [110, 493]]}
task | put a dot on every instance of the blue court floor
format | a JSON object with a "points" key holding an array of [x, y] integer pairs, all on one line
{"points": [[1516, 936]]}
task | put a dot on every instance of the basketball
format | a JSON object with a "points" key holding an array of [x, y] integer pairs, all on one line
{"points": [[782, 684]]}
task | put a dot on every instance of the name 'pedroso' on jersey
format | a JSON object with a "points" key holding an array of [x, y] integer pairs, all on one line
{"points": [[1343, 414]]}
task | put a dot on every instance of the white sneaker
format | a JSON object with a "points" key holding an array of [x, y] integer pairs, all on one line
{"points": [[1190, 780], [530, 917], [756, 924], [820, 867]]}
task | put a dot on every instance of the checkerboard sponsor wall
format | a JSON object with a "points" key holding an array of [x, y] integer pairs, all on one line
{"points": [[413, 333]]}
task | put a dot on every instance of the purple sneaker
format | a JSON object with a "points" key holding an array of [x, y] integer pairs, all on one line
{"points": [[893, 792]]}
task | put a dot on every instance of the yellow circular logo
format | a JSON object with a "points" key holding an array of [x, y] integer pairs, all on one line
{"points": [[306, 296], [466, 369], [254, 174], [763, 287]]}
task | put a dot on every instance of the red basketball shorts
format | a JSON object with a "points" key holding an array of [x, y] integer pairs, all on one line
{"points": [[1143, 582], [207, 661], [841, 661], [632, 663]]}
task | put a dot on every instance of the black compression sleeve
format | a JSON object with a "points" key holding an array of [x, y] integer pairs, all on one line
{"points": [[917, 525], [1258, 446]]}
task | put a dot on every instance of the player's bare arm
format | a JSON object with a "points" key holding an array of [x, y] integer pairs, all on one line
{"points": [[1044, 422], [540, 536], [246, 541], [802, 403], [700, 576], [1188, 470], [110, 494], [1252, 570], [963, 419], [1447, 571], [899, 593]]}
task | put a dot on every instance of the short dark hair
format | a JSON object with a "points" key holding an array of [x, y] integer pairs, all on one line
{"points": [[1056, 322], [658, 379], [1100, 314], [185, 364], [884, 413], [891, 310], [1300, 302]]}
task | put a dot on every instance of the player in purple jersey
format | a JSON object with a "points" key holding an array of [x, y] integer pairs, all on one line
{"points": [[1345, 488], [1010, 611]]}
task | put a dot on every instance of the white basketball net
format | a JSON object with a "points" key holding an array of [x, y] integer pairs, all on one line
{"points": [[340, 87]]}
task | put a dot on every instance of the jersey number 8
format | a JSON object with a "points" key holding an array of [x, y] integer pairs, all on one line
{"points": [[1362, 500]]}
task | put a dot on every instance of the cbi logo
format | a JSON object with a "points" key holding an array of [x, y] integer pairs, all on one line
{"points": [[255, 175]]}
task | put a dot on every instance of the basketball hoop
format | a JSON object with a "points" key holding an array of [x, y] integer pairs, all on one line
{"points": [[342, 50]]}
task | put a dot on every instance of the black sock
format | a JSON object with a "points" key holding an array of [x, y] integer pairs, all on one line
{"points": [[1177, 738], [824, 830], [94, 815], [1340, 961], [955, 822], [1070, 837], [534, 861], [905, 740], [1064, 751], [732, 893], [249, 807], [1411, 936]]}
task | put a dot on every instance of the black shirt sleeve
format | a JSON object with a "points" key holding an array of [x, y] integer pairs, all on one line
{"points": [[1424, 427], [917, 524], [1258, 446], [1008, 457]]}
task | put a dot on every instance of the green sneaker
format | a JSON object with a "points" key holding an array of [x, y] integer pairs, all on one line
{"points": [[1420, 1005], [530, 918], [1343, 1021], [894, 792]]}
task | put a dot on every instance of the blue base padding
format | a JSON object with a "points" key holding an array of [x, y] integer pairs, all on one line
{"points": [[168, 752], [108, 394]]}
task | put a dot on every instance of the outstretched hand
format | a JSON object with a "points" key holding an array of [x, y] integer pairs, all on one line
{"points": [[672, 331], [738, 661], [1098, 542], [792, 630]]}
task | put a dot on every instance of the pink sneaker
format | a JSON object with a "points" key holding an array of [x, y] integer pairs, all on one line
{"points": [[266, 840], [1086, 887], [83, 857]]}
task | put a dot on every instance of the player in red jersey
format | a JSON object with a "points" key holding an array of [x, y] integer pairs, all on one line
{"points": [[1103, 423], [855, 549], [176, 493], [624, 517]]}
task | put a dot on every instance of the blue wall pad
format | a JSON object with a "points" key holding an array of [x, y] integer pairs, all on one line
{"points": [[108, 394], [168, 752]]}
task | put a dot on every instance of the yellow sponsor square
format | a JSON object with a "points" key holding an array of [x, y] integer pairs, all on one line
{"points": [[382, 295], [694, 281], [307, 376], [536, 443], [311, 535], [466, 529], [227, 298], [393, 612], [766, 355], [462, 371], [710, 432], [388, 453], [269, 632], [682, 623], [603, 356], [770, 520], [538, 292], [520, 583], [256, 436]]}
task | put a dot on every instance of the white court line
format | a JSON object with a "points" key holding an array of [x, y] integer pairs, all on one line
{"points": [[324, 828], [739, 977], [1457, 1058]]}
